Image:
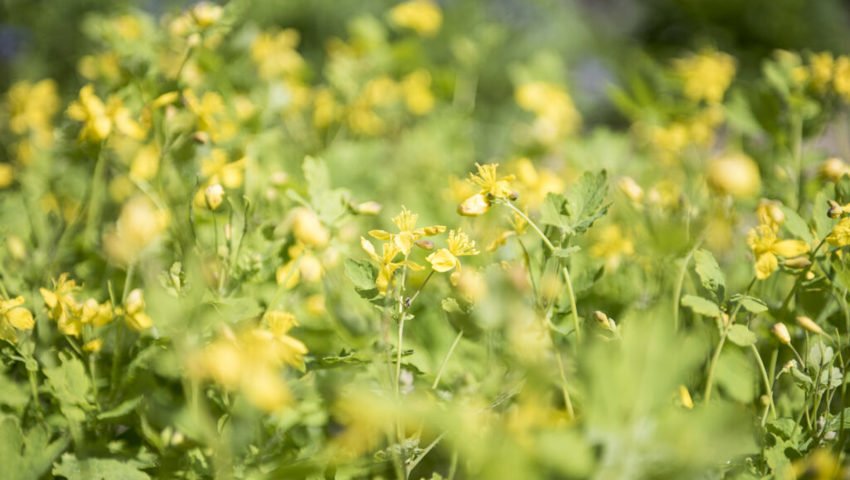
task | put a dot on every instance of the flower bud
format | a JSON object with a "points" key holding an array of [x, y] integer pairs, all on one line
{"points": [[833, 169], [835, 209], [368, 208], [780, 331], [631, 188], [797, 262], [214, 195], [474, 206], [426, 245], [734, 174], [308, 229], [809, 325], [201, 138]]}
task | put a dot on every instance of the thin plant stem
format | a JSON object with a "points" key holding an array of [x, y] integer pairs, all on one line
{"points": [[677, 291], [564, 270], [767, 386], [713, 365], [446, 360]]}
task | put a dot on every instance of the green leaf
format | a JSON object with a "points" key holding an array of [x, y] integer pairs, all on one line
{"points": [[121, 409], [73, 468], [585, 202], [823, 224], [796, 225], [819, 355], [741, 335], [777, 460], [750, 304], [565, 252], [318, 177], [69, 382], [553, 211], [701, 305], [709, 272], [26, 457], [361, 273], [736, 375]]}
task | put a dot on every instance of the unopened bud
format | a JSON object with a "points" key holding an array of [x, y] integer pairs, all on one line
{"points": [[308, 229], [835, 209], [788, 366], [214, 195], [797, 262], [368, 208], [631, 188], [228, 231], [809, 325], [201, 138], [425, 245], [513, 196], [780, 331], [474, 206], [279, 178], [833, 169]]}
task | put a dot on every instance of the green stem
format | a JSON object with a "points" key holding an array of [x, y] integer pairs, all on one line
{"points": [[767, 386], [446, 360], [116, 349], [677, 291], [713, 365], [565, 271]]}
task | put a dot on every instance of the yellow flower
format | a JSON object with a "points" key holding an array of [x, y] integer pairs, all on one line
{"points": [[31, 107], [214, 195], [14, 317], [139, 225], [134, 314], [821, 66], [275, 54], [556, 114], [308, 228], [90, 110], [96, 313], [706, 75], [445, 259], [766, 247], [612, 245], [94, 346], [386, 265], [841, 77], [422, 16], [536, 183], [735, 174], [290, 350], [408, 233], [417, 92], [840, 235], [62, 306]]}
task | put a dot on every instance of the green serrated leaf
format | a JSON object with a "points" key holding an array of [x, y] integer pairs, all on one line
{"points": [[795, 224], [709, 272], [73, 468], [26, 457], [701, 305], [552, 212], [585, 202], [69, 382], [361, 273], [741, 335]]}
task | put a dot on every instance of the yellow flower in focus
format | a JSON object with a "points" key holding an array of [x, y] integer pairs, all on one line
{"points": [[14, 317], [490, 183], [417, 92], [445, 259], [386, 264], [706, 75], [766, 247], [62, 307], [90, 110], [422, 16], [407, 234]]}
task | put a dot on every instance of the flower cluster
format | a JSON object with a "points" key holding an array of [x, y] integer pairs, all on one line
{"points": [[765, 244]]}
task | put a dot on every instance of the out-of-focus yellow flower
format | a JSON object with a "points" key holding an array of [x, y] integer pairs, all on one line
{"points": [[734, 174], [308, 229], [841, 77], [104, 67], [446, 259], [214, 195], [7, 175], [14, 317], [139, 224], [834, 168], [291, 351], [122, 119], [325, 108], [62, 306], [145, 163], [134, 311], [386, 264], [90, 110], [685, 397], [821, 66], [206, 13], [416, 88], [535, 183], [556, 115], [612, 245], [631, 189], [766, 247], [275, 54], [93, 346], [31, 108], [821, 464], [422, 16], [97, 314], [216, 169], [407, 234], [706, 75], [209, 110]]}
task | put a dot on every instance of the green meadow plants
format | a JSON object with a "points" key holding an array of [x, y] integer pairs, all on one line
{"points": [[394, 242]]}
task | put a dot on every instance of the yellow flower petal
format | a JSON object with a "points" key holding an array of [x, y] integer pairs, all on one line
{"points": [[765, 265], [790, 248], [442, 260], [20, 318]]}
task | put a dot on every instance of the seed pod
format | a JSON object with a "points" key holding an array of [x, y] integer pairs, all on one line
{"points": [[797, 262]]}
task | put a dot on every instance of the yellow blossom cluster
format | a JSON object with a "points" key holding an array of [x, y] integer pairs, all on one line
{"points": [[492, 187], [251, 361], [14, 317], [706, 75], [765, 244], [422, 16], [555, 113]]}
